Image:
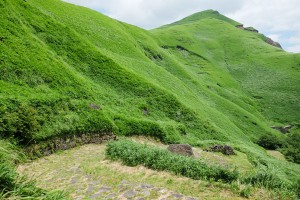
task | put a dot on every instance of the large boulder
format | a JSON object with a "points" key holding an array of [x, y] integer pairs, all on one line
{"points": [[181, 149]]}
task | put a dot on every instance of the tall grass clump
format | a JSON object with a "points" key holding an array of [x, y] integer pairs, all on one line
{"points": [[14, 186], [267, 177], [133, 154]]}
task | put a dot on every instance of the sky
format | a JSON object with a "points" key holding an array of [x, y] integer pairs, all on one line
{"points": [[277, 19]]}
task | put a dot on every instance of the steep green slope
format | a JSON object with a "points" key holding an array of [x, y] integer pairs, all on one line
{"points": [[134, 56], [106, 83], [263, 72], [68, 70], [110, 73]]}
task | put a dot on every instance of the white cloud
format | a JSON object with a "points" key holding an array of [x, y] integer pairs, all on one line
{"points": [[294, 39], [294, 48], [151, 14], [277, 18], [275, 37]]}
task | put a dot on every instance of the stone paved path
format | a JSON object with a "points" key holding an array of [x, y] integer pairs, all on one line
{"points": [[87, 187], [84, 174]]}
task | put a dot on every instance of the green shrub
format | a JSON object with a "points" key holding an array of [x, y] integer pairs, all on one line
{"points": [[133, 154], [270, 141], [131, 126], [21, 123], [291, 149], [246, 192]]}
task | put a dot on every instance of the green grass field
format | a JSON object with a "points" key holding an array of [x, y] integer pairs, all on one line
{"points": [[65, 70]]}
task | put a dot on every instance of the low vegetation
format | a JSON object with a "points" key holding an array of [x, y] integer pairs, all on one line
{"points": [[134, 154], [288, 144], [12, 185]]}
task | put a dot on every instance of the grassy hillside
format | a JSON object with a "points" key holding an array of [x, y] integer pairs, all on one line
{"points": [[69, 70]]}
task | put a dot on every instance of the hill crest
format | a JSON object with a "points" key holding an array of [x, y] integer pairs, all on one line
{"points": [[206, 14]]}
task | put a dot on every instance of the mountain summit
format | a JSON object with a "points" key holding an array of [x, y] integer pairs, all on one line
{"points": [[212, 14]]}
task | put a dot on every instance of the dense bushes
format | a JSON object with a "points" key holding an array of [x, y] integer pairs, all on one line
{"points": [[289, 145], [165, 132], [20, 123], [291, 149], [43, 119], [134, 154], [270, 141]]}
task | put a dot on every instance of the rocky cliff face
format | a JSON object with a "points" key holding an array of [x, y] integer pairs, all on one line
{"points": [[271, 42], [268, 40]]}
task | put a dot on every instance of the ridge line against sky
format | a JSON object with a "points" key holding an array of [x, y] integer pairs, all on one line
{"points": [[277, 19]]}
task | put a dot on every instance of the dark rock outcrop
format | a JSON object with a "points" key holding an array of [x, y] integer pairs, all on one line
{"points": [[224, 149], [181, 149], [268, 40], [251, 29], [271, 42], [282, 129]]}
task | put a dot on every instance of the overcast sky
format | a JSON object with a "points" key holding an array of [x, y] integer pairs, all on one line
{"points": [[278, 19]]}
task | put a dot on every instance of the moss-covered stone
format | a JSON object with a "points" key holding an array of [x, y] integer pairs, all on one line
{"points": [[53, 145]]}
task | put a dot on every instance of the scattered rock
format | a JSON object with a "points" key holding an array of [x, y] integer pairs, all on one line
{"points": [[130, 194], [182, 149], [145, 111], [240, 26], [177, 196], [146, 193], [190, 198], [94, 196], [224, 149], [282, 129], [90, 189], [95, 107], [104, 189], [145, 185], [162, 190], [74, 180], [111, 196]]}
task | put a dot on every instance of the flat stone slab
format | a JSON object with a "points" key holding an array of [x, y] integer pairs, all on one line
{"points": [[130, 194]]}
